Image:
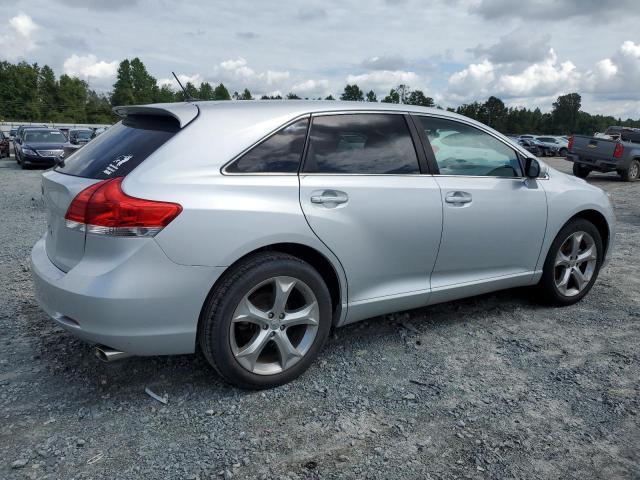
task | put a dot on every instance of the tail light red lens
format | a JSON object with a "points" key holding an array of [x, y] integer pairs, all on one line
{"points": [[104, 209], [618, 150], [570, 146]]}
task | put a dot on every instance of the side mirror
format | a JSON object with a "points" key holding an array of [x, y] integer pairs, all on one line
{"points": [[531, 168]]}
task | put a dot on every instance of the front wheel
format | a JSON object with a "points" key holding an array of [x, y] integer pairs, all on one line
{"points": [[562, 152], [581, 171], [572, 264], [632, 173], [266, 321]]}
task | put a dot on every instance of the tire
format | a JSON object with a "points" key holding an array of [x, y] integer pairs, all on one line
{"points": [[253, 282], [562, 152], [632, 173], [581, 171], [553, 275]]}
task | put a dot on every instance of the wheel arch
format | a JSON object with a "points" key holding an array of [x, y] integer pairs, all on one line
{"points": [[601, 224], [323, 265]]}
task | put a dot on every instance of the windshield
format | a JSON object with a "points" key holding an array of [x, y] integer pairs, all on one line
{"points": [[83, 135], [44, 136]]}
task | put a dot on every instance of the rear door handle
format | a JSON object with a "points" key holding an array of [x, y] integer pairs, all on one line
{"points": [[330, 198], [458, 198]]}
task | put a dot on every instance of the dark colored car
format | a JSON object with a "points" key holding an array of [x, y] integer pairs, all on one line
{"points": [[530, 145], [4, 145], [12, 133], [80, 136], [40, 146]]}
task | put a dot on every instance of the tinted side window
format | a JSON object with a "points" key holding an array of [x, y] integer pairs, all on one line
{"points": [[121, 148], [464, 150], [361, 143], [280, 153]]}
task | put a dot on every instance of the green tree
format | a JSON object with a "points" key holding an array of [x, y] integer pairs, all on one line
{"points": [[292, 96], [493, 113], [393, 97], [206, 91], [352, 93], [371, 96], [271, 97], [47, 92], [565, 112], [144, 86], [329, 97], [165, 95], [123, 88], [245, 95], [192, 93], [417, 97], [72, 95], [221, 93]]}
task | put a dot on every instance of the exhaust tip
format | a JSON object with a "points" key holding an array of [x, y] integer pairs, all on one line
{"points": [[108, 355]]}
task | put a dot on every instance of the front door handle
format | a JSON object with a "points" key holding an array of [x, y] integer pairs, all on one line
{"points": [[330, 198], [458, 198]]}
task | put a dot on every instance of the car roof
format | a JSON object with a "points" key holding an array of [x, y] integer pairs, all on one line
{"points": [[185, 112]]}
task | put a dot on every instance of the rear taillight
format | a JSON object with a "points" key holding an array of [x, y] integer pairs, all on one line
{"points": [[570, 146], [104, 209], [618, 150]]}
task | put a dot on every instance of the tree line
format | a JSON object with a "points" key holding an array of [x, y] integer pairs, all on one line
{"points": [[29, 92]]}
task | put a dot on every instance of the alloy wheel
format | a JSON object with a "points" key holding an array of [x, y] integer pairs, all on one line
{"points": [[575, 263], [274, 325]]}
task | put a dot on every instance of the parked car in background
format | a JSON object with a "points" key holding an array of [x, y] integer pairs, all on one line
{"points": [[551, 146], [605, 154], [39, 146], [98, 131], [80, 136], [12, 133], [530, 145], [293, 218], [4, 145]]}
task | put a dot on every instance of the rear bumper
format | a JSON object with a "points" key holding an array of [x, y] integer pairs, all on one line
{"points": [[595, 163], [143, 304]]}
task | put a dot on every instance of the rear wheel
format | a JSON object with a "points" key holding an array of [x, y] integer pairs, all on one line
{"points": [[572, 264], [581, 171], [632, 173], [266, 321]]}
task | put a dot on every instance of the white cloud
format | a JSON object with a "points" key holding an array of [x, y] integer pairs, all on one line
{"points": [[238, 73], [20, 37], [196, 79], [311, 87], [475, 78], [384, 79], [23, 25], [617, 76], [541, 79], [88, 67]]}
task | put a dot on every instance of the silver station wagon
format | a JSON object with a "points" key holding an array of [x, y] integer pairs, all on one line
{"points": [[250, 229]]}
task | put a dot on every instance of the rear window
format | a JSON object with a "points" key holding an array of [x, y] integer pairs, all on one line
{"points": [[121, 148]]}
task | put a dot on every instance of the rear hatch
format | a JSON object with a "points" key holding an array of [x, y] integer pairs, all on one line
{"points": [[113, 154], [593, 148]]}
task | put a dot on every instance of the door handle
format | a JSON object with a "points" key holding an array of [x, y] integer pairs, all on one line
{"points": [[458, 198], [330, 197]]}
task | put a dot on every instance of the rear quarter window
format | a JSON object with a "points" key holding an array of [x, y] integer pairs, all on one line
{"points": [[121, 148]]}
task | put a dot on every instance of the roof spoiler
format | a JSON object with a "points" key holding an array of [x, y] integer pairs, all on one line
{"points": [[185, 113]]}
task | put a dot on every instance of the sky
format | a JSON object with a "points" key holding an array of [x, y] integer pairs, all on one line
{"points": [[456, 51]]}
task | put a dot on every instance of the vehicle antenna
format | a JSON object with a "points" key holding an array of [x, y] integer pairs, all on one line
{"points": [[187, 97]]}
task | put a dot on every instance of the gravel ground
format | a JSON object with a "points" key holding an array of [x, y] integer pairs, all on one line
{"points": [[495, 386]]}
